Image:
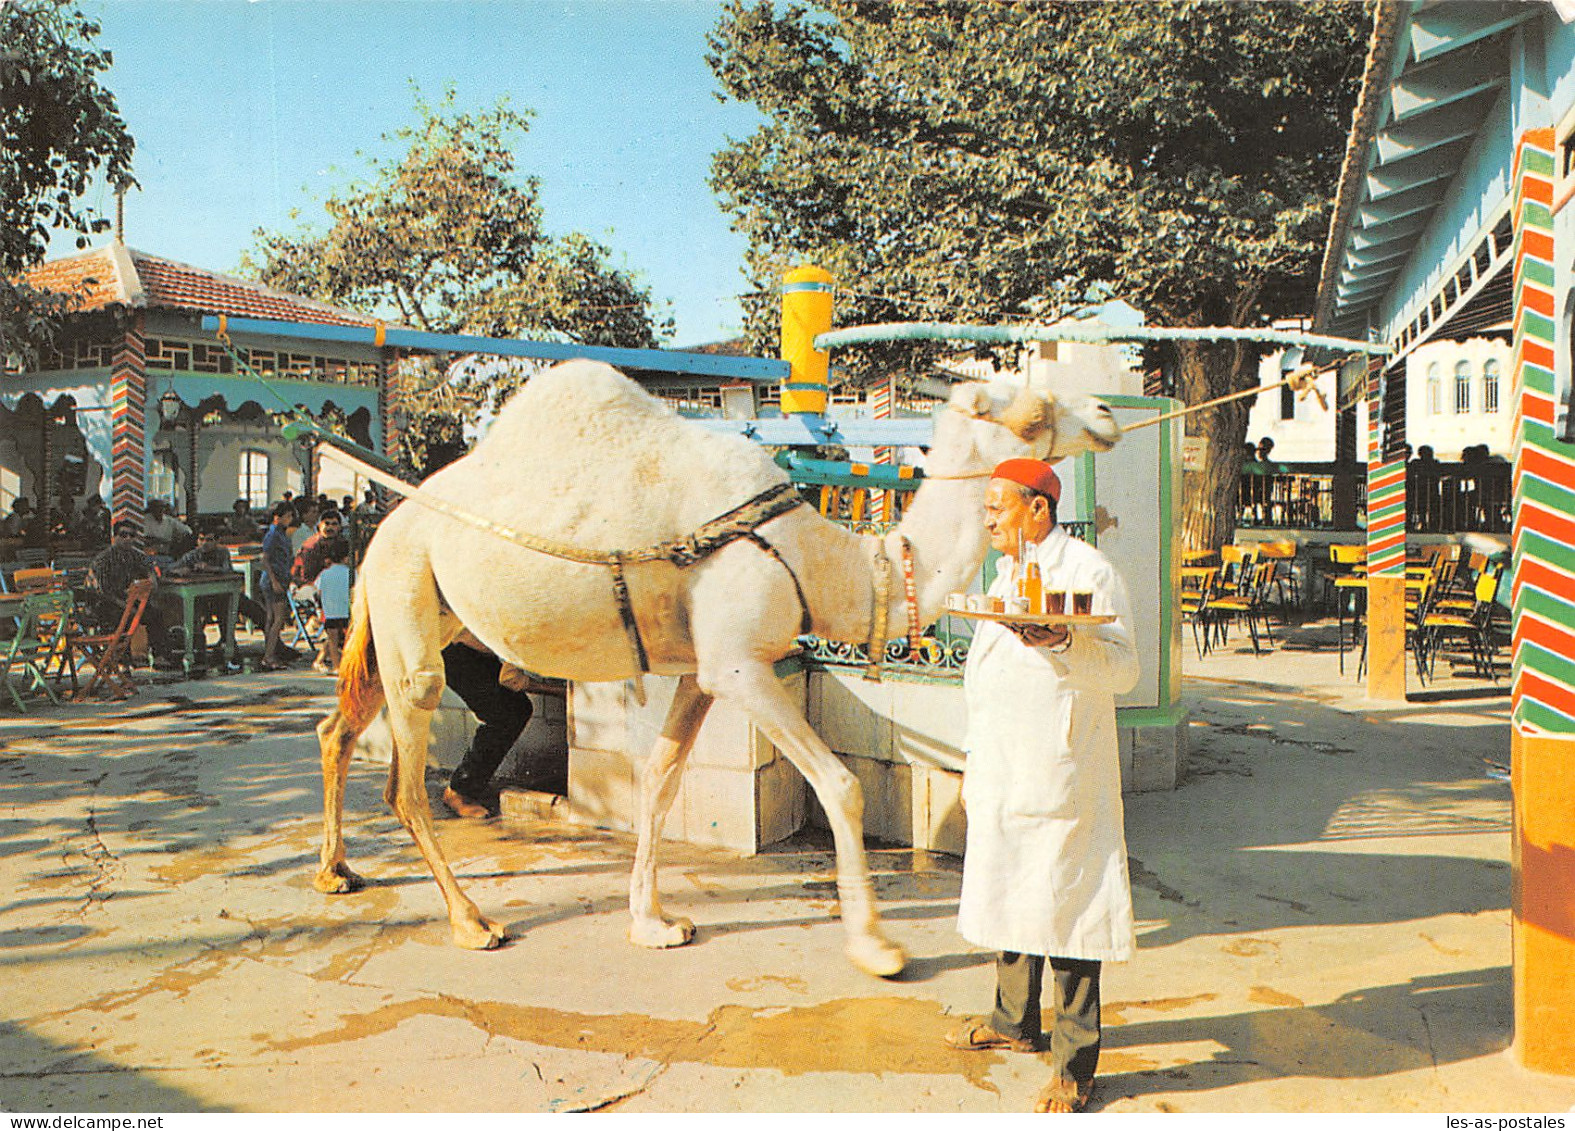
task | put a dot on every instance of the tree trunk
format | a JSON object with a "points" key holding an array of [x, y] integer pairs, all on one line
{"points": [[1206, 370]]}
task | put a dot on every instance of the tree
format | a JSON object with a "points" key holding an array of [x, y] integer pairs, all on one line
{"points": [[447, 237], [1013, 161], [59, 128]]}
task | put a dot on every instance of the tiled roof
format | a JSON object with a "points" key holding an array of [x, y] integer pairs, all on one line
{"points": [[121, 276]]}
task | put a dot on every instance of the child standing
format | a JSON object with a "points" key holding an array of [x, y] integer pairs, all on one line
{"points": [[333, 595]]}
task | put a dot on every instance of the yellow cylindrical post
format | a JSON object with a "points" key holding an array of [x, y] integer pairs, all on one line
{"points": [[806, 312]]}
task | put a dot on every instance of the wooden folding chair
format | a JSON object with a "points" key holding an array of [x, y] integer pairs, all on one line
{"points": [[40, 632], [110, 652]]}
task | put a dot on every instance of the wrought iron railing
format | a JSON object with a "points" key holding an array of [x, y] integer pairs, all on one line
{"points": [[1441, 498]]}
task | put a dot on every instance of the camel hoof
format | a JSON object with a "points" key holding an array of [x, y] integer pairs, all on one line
{"points": [[478, 934], [660, 934], [878, 957], [337, 880]]}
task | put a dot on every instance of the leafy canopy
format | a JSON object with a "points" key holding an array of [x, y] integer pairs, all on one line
{"points": [[448, 237], [59, 128], [1008, 161]]}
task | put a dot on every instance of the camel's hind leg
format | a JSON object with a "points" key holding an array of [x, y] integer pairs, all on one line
{"points": [[412, 671], [658, 786], [336, 737], [754, 687]]}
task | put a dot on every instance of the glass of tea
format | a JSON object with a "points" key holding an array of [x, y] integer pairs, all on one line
{"points": [[1082, 602]]}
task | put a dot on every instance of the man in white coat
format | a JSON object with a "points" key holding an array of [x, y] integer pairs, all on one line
{"points": [[1045, 872]]}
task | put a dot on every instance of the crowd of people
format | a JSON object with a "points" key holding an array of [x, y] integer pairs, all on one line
{"points": [[306, 555]]}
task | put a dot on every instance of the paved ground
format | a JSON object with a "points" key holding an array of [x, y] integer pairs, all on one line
{"points": [[1323, 908]]}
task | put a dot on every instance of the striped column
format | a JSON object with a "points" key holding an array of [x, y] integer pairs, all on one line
{"points": [[387, 432], [881, 398], [128, 392], [1542, 729], [1386, 529]]}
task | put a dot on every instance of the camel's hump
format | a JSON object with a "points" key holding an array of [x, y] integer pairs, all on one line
{"points": [[584, 424]]}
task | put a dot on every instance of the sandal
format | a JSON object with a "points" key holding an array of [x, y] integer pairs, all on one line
{"points": [[1063, 1097], [975, 1035]]}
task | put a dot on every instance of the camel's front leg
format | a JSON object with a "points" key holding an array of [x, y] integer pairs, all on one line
{"points": [[755, 688], [658, 786]]}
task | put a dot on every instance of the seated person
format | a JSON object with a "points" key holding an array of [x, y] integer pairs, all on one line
{"points": [[162, 533], [240, 524], [92, 524], [111, 575], [18, 522], [208, 557], [495, 693]]}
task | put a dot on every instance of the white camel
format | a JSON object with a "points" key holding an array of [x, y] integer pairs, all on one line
{"points": [[585, 457]]}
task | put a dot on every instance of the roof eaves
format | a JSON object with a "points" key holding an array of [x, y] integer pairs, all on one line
{"points": [[1383, 54]]}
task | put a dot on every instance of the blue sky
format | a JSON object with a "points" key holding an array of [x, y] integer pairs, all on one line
{"points": [[243, 111]]}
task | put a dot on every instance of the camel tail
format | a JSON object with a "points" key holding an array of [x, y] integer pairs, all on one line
{"points": [[359, 688]]}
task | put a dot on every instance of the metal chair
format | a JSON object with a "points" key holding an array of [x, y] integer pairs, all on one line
{"points": [[40, 632], [1249, 604], [1474, 626], [1197, 589], [305, 614]]}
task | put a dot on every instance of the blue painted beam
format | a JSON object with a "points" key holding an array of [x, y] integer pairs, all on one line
{"points": [[805, 431], [833, 473], [759, 369]]}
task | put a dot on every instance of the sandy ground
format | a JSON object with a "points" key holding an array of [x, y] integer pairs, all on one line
{"points": [[1323, 906]]}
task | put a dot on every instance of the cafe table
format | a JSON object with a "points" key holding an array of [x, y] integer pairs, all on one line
{"points": [[189, 589]]}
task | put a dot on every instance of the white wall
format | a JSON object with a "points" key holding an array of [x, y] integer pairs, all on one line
{"points": [[1440, 425], [1308, 436]]}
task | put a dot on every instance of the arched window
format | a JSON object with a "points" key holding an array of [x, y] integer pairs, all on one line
{"points": [[1490, 385], [253, 486], [1435, 390], [1463, 387]]}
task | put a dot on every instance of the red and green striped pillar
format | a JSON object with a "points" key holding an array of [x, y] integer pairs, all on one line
{"points": [[1386, 530], [128, 390], [1542, 728]]}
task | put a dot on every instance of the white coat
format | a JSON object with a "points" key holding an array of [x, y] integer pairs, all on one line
{"points": [[1045, 870]]}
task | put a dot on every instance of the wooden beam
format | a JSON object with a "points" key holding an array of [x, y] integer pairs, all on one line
{"points": [[1443, 28]]}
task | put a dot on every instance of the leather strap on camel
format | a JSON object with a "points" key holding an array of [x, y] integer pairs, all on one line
{"points": [[740, 522]]}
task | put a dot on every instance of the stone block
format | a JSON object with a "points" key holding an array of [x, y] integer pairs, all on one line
{"points": [[888, 800], [938, 820], [715, 807], [1158, 757], [533, 805], [448, 737], [597, 717], [602, 788], [929, 724], [851, 714], [781, 800]]}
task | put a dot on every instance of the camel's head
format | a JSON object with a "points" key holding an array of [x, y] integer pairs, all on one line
{"points": [[1052, 425]]}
